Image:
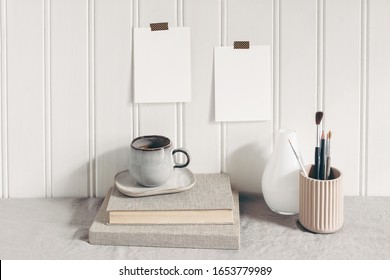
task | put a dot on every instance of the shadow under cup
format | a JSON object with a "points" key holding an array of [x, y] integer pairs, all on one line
{"points": [[151, 160], [321, 202]]}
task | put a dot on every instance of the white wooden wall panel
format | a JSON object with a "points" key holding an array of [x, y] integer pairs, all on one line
{"points": [[248, 144], [26, 131], [378, 140], [298, 86], [113, 52], [342, 87], [158, 118], [202, 135], [69, 89], [67, 115]]}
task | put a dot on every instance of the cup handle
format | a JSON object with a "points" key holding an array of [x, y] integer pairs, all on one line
{"points": [[187, 156]]}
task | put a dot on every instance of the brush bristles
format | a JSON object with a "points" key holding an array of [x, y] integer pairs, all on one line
{"points": [[319, 116], [329, 134]]}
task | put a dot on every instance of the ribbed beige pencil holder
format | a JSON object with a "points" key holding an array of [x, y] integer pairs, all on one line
{"points": [[321, 202]]}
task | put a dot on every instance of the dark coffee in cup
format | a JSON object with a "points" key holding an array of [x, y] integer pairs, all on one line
{"points": [[151, 142]]}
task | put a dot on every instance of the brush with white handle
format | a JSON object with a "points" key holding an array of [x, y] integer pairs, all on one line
{"points": [[298, 159]]}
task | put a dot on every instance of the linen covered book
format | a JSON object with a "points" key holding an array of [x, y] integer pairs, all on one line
{"points": [[202, 236], [210, 201]]}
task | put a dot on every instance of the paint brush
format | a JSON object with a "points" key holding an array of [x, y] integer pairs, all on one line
{"points": [[298, 159], [328, 137], [322, 158], [317, 153]]}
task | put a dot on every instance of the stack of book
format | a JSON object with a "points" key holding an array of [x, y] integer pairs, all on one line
{"points": [[206, 216]]}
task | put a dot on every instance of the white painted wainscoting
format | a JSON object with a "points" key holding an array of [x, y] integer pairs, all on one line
{"points": [[67, 116]]}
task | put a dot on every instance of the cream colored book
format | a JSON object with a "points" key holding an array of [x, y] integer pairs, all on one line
{"points": [[224, 216], [210, 201]]}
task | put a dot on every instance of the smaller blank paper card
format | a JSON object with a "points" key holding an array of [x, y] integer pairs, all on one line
{"points": [[162, 65], [242, 83]]}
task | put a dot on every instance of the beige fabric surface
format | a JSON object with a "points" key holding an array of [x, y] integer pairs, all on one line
{"points": [[58, 229]]}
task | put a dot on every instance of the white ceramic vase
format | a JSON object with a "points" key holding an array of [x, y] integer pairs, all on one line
{"points": [[280, 183]]}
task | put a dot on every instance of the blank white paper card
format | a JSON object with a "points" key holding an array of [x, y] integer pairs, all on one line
{"points": [[242, 83], [162, 65]]}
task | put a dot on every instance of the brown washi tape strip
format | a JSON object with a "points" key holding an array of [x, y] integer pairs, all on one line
{"points": [[159, 26], [241, 44]]}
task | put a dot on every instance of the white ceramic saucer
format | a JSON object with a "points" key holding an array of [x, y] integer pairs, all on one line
{"points": [[182, 179]]}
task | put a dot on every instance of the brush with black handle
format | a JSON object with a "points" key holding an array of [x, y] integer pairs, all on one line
{"points": [[328, 155], [322, 175], [317, 153]]}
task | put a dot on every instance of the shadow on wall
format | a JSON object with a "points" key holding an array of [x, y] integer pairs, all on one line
{"points": [[75, 183], [246, 166], [108, 164], [70, 183]]}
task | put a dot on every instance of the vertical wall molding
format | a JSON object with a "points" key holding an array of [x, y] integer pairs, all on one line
{"points": [[112, 70], [224, 13], [276, 66], [299, 70], [92, 186], [177, 125], [70, 98], [320, 55], [4, 99], [363, 100], [131, 93], [136, 121], [342, 58], [1, 97], [47, 88], [180, 106], [204, 19]]}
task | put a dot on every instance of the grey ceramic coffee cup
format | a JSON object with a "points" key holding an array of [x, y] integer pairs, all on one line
{"points": [[151, 161]]}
